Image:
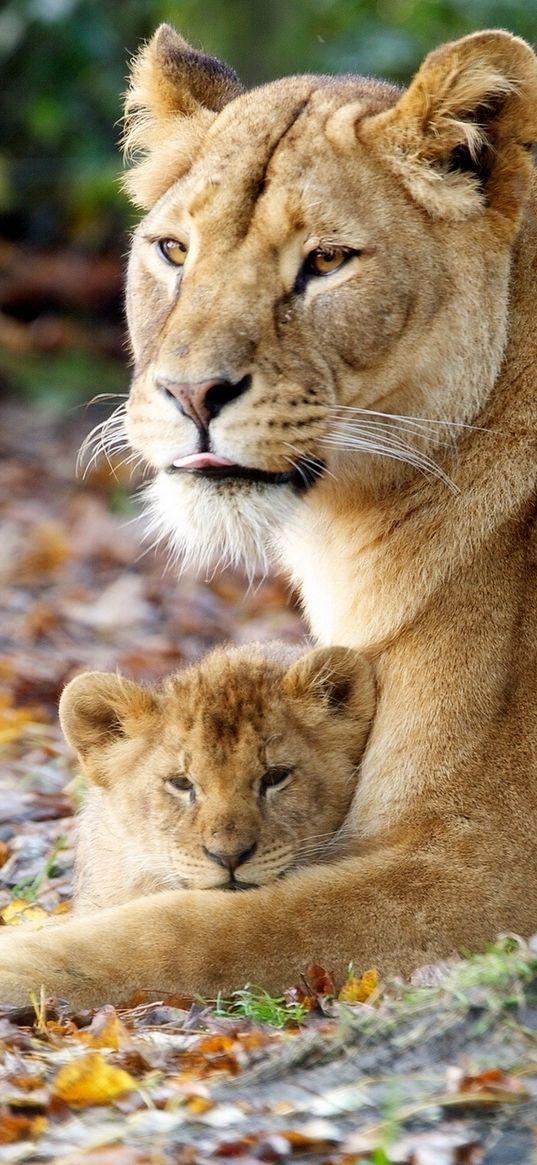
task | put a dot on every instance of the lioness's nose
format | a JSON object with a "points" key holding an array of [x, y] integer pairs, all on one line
{"points": [[230, 861], [204, 399]]}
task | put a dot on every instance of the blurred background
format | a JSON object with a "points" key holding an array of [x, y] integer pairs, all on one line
{"points": [[63, 219]]}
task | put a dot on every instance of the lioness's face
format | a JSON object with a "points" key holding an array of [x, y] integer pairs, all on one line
{"points": [[242, 302], [290, 297]]}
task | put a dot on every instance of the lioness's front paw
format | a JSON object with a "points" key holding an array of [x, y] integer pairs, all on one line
{"points": [[22, 966]]}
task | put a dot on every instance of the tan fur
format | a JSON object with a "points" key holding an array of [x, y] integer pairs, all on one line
{"points": [[225, 725], [430, 569]]}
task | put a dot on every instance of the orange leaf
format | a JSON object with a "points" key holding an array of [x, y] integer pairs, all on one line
{"points": [[17, 1127], [319, 981], [63, 907], [90, 1080], [297, 997], [356, 990], [492, 1085], [105, 1030]]}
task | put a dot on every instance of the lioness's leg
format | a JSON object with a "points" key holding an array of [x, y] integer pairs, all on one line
{"points": [[393, 909]]}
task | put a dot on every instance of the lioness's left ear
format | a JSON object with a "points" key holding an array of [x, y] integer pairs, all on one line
{"points": [[337, 678], [175, 93], [458, 138]]}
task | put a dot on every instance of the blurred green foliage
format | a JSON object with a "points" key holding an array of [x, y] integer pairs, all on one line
{"points": [[64, 62]]}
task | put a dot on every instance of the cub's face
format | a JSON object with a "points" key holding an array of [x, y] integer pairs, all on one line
{"points": [[235, 772], [320, 258]]}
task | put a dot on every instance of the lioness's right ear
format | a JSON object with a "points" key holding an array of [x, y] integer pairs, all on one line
{"points": [[99, 707], [175, 93], [459, 137]]}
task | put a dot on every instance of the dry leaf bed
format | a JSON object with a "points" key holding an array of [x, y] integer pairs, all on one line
{"points": [[440, 1076]]}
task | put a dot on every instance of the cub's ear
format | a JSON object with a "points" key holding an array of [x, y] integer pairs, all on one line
{"points": [[458, 138], [175, 93], [97, 708], [335, 678]]}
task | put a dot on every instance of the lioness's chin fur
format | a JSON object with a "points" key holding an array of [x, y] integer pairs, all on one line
{"points": [[231, 524], [336, 279]]}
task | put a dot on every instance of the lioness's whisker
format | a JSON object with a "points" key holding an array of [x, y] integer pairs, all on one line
{"points": [[387, 447], [390, 431], [310, 462], [100, 396], [108, 437], [402, 417]]}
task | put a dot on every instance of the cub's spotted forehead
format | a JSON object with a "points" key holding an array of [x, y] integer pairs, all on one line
{"points": [[215, 708]]}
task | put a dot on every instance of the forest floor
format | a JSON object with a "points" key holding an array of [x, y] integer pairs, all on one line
{"points": [[439, 1071]]}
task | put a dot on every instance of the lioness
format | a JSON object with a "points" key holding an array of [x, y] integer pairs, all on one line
{"points": [[229, 774], [331, 303]]}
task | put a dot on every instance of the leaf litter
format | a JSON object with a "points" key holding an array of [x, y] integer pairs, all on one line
{"points": [[441, 1071]]}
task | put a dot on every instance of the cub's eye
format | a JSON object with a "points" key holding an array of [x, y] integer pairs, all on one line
{"points": [[274, 777], [326, 260], [172, 251], [181, 785]]}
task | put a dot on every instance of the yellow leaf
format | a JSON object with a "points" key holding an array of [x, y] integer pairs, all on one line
{"points": [[356, 990], [90, 1080], [199, 1104], [19, 910], [13, 721]]}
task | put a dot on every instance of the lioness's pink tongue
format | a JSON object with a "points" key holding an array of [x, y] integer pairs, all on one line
{"points": [[201, 461]]}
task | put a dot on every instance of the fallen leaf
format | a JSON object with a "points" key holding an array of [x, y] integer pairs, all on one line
{"points": [[105, 1030], [18, 1127], [490, 1085], [13, 720], [318, 981], [47, 548], [358, 990], [20, 911], [90, 1080], [113, 1155]]}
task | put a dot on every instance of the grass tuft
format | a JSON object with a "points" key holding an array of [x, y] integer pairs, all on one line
{"points": [[254, 1003]]}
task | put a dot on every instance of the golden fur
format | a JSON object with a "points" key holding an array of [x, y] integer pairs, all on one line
{"points": [[270, 747], [351, 283]]}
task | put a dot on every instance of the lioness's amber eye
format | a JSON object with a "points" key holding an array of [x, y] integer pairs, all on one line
{"points": [[173, 251], [323, 262], [273, 777], [180, 784]]}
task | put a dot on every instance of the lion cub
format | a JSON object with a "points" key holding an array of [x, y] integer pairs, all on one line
{"points": [[229, 774]]}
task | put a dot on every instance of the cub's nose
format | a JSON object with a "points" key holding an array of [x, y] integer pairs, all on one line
{"points": [[230, 861], [203, 400]]}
